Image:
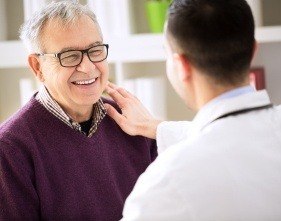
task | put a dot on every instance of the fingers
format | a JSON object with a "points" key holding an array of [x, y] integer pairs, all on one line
{"points": [[111, 85], [119, 119], [116, 96], [121, 90], [113, 113]]}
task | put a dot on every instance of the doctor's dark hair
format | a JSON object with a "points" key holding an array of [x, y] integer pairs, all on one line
{"points": [[216, 36]]}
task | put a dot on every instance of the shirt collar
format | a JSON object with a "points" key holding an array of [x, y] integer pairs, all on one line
{"points": [[238, 99], [230, 94], [99, 111]]}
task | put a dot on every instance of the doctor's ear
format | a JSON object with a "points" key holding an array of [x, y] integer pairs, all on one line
{"points": [[183, 66], [35, 65]]}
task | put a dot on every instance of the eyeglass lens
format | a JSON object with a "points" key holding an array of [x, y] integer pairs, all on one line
{"points": [[73, 58]]}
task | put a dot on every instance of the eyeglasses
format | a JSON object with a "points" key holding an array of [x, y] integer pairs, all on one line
{"points": [[73, 58]]}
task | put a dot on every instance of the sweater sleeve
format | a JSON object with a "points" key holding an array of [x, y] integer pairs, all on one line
{"points": [[18, 197]]}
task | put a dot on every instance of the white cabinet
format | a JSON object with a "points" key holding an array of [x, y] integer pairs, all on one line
{"points": [[134, 52]]}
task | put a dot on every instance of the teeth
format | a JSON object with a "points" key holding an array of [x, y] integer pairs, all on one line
{"points": [[85, 82]]}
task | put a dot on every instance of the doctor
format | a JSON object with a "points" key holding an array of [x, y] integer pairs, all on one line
{"points": [[226, 163]]}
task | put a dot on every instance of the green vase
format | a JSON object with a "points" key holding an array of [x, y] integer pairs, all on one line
{"points": [[156, 14]]}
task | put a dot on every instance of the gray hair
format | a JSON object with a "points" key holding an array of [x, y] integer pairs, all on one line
{"points": [[67, 11]]}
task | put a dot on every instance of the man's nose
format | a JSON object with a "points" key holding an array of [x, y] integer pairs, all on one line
{"points": [[86, 64]]}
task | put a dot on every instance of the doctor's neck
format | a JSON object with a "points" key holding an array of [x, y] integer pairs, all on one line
{"points": [[206, 89]]}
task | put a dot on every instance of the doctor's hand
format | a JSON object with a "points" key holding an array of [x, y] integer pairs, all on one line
{"points": [[135, 118]]}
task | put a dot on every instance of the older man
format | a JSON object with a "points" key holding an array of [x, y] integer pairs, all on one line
{"points": [[62, 157]]}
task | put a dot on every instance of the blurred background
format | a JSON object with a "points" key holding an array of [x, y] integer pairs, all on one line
{"points": [[133, 29]]}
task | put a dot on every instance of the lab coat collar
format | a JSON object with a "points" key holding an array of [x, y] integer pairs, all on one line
{"points": [[214, 110]]}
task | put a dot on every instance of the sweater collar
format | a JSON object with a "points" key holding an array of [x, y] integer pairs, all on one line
{"points": [[99, 111]]}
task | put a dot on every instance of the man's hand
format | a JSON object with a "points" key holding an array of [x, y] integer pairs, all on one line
{"points": [[135, 118]]}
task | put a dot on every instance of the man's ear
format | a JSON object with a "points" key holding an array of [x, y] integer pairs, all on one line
{"points": [[183, 66], [35, 65]]}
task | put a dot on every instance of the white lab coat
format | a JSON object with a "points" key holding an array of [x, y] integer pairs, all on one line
{"points": [[229, 169]]}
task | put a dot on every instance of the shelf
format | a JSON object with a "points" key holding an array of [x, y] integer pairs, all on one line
{"points": [[132, 49], [268, 34], [13, 54], [149, 47], [137, 48]]}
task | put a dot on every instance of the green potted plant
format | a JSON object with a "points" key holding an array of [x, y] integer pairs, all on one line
{"points": [[156, 14]]}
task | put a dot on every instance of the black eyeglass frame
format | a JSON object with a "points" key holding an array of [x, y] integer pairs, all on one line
{"points": [[58, 55]]}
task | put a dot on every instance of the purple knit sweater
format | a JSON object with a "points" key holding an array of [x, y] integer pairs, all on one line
{"points": [[49, 171]]}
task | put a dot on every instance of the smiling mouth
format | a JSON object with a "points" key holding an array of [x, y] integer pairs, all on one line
{"points": [[85, 82]]}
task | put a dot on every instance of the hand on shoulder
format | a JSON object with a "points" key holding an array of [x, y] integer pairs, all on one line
{"points": [[135, 119]]}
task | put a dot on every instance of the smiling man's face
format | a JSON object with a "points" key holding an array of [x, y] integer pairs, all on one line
{"points": [[74, 88]]}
